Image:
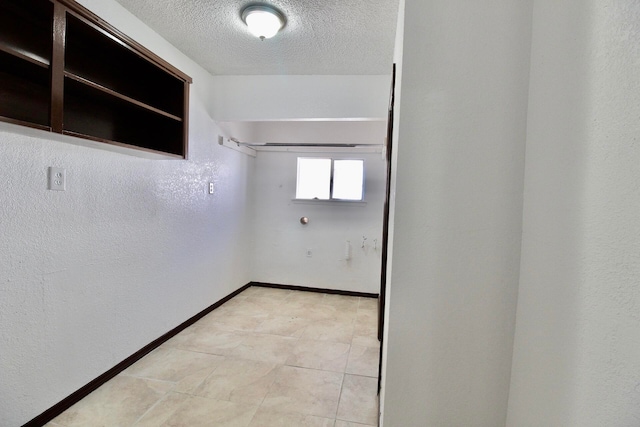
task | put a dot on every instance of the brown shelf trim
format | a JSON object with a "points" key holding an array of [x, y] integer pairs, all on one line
{"points": [[118, 36], [23, 123], [121, 144], [27, 56], [120, 96]]}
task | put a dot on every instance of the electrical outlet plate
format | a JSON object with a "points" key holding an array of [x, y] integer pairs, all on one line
{"points": [[211, 188], [309, 252], [57, 179]]}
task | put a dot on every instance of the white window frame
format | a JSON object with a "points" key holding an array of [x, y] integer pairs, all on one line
{"points": [[331, 178]]}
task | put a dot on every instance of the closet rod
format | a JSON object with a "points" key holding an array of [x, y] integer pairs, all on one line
{"points": [[290, 144]]}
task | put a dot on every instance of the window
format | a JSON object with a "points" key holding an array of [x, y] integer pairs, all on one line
{"points": [[330, 179]]}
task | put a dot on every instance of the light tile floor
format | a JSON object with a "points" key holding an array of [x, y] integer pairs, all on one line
{"points": [[266, 358]]}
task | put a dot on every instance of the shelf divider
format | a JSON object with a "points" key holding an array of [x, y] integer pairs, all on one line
{"points": [[57, 67]]}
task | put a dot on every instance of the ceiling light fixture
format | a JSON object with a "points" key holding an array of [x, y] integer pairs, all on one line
{"points": [[263, 21]]}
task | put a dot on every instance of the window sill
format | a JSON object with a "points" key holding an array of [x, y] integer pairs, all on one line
{"points": [[328, 202]]}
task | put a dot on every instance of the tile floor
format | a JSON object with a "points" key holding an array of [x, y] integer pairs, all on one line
{"points": [[266, 358]]}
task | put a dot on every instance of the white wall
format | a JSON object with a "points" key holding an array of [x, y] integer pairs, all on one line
{"points": [[133, 248], [300, 97], [280, 242], [458, 210], [321, 131], [287, 109], [577, 346]]}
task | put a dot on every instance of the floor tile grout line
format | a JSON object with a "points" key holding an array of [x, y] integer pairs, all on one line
{"points": [[313, 369], [196, 388], [335, 417], [139, 377], [266, 394], [153, 406]]}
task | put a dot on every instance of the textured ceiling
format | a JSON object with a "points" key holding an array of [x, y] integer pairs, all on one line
{"points": [[320, 36]]}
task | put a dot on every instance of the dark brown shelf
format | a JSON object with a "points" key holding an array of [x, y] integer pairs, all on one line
{"points": [[26, 28], [24, 90], [121, 144], [93, 112], [24, 123], [115, 67], [66, 70], [24, 55], [119, 95]]}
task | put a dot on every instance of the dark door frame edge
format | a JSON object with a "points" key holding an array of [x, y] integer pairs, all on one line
{"points": [[385, 226]]}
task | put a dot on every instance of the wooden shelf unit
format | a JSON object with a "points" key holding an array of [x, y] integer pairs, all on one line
{"points": [[64, 69]]}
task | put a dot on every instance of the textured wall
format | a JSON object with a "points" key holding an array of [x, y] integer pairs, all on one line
{"points": [[300, 97], [280, 246], [458, 211], [133, 248], [577, 346]]}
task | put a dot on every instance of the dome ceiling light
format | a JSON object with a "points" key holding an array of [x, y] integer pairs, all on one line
{"points": [[263, 21]]}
